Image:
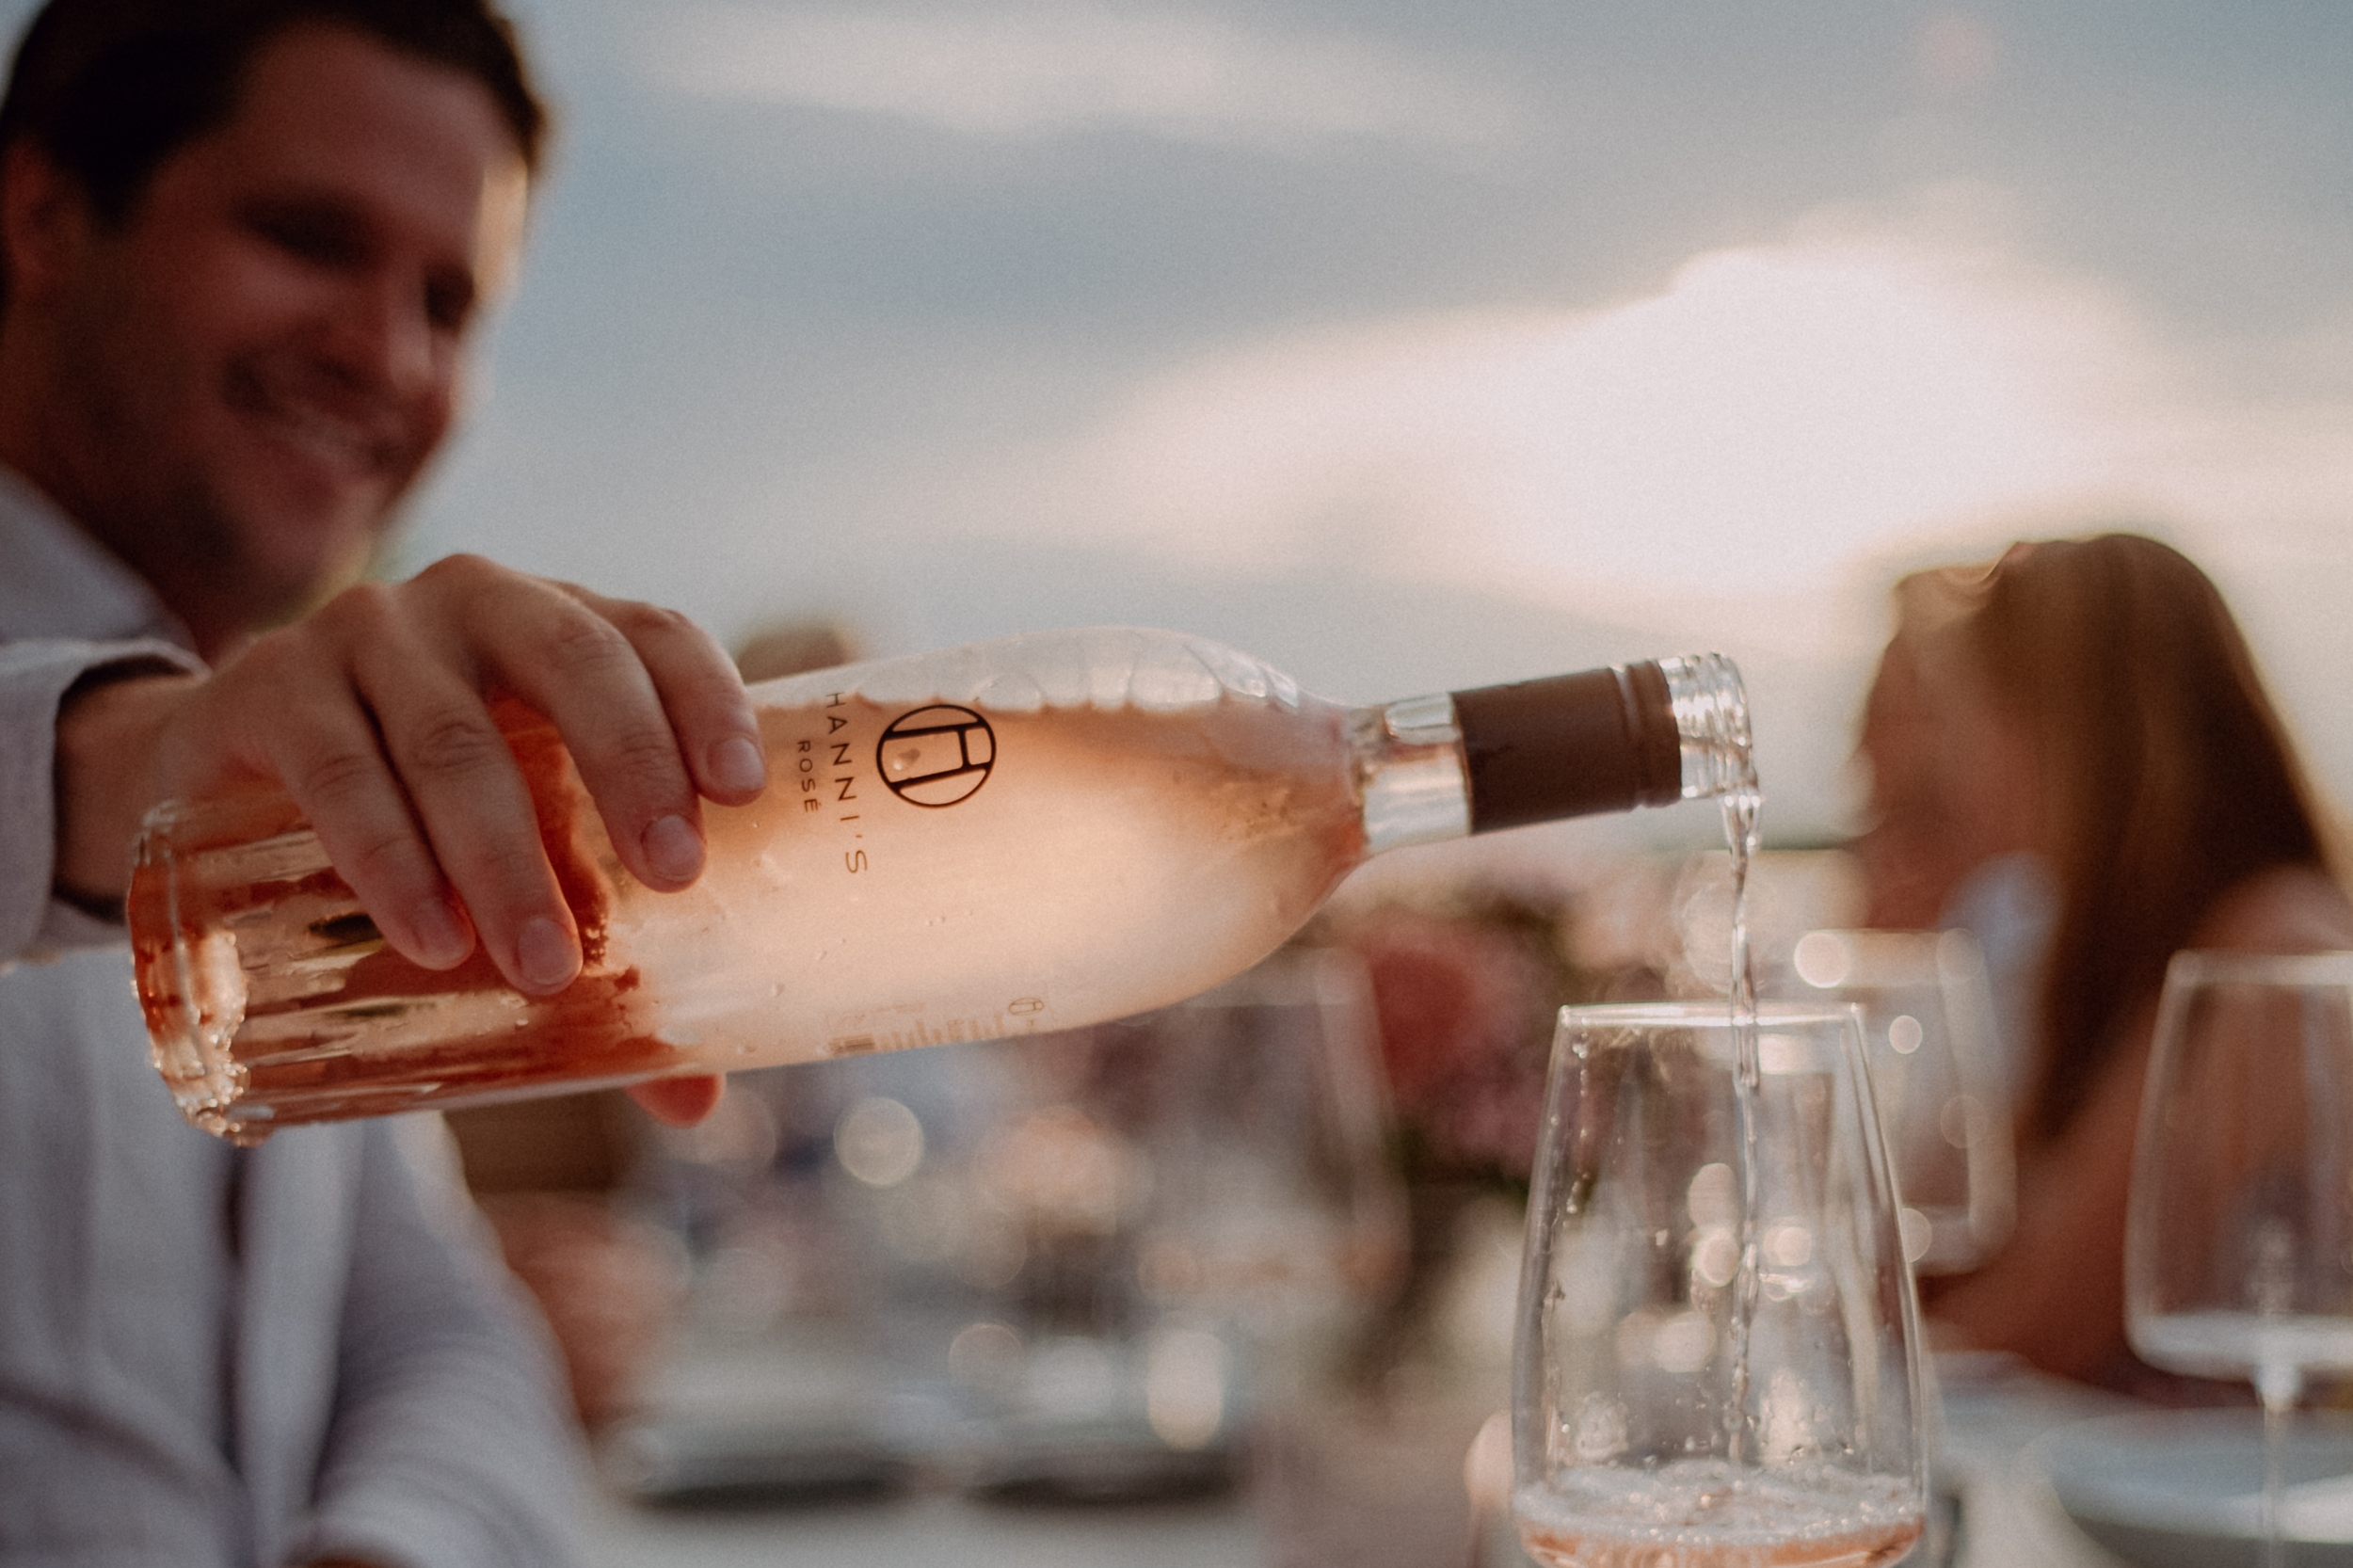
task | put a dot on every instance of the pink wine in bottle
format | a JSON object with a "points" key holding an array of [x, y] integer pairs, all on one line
{"points": [[1032, 834]]}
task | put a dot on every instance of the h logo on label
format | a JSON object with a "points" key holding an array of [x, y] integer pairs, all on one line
{"points": [[937, 756]]}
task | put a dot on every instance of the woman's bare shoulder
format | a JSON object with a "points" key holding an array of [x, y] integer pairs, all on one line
{"points": [[2285, 909]]}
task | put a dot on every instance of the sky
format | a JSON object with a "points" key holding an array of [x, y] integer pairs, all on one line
{"points": [[1419, 345]]}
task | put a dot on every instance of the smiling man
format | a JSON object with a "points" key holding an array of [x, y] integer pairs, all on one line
{"points": [[274, 323], [245, 246]]}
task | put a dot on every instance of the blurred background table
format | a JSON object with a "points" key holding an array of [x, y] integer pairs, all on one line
{"points": [[920, 1528], [2009, 1519], [857, 1232], [1333, 1482]]}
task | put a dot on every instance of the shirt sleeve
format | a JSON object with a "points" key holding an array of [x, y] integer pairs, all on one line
{"points": [[34, 677], [449, 1447]]}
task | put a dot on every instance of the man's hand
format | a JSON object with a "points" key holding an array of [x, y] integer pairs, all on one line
{"points": [[372, 713]]}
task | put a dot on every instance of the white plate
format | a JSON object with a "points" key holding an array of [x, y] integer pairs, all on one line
{"points": [[2182, 1489]]}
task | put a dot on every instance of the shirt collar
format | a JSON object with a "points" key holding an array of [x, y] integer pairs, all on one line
{"points": [[56, 581]]}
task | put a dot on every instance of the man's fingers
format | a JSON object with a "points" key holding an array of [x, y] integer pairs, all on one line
{"points": [[373, 712], [679, 1101], [575, 666], [483, 830], [700, 690], [332, 764], [458, 773]]}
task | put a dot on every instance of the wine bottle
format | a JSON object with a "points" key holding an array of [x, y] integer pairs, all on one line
{"points": [[1026, 835]]}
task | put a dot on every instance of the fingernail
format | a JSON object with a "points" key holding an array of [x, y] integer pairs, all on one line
{"points": [[673, 848], [441, 940], [544, 953], [736, 764]]}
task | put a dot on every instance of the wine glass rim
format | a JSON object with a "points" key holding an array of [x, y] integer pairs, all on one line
{"points": [[1700, 1015], [2208, 966]]}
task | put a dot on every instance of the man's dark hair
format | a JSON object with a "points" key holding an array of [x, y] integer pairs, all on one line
{"points": [[110, 89]]}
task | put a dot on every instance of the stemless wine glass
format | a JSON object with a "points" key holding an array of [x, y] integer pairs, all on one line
{"points": [[2238, 1243], [1927, 1032], [1716, 1361]]}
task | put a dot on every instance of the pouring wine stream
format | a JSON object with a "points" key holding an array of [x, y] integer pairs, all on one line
{"points": [[1742, 804]]}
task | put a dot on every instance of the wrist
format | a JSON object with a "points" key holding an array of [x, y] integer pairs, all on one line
{"points": [[108, 725]]}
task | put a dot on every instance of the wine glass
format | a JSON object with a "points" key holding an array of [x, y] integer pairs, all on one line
{"points": [[1927, 1031], [1275, 1203], [2238, 1244], [1716, 1361]]}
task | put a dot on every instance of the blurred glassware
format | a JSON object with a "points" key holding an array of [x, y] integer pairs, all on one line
{"points": [[2239, 1245], [1203, 1208], [1067, 1265], [1681, 1396], [1927, 1030], [1275, 1208]]}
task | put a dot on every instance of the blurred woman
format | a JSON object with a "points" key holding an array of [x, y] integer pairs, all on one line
{"points": [[2077, 733]]}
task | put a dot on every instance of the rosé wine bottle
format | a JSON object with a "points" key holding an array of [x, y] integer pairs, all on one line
{"points": [[1032, 834]]}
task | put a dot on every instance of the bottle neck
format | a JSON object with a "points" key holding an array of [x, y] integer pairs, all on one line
{"points": [[1647, 734], [1409, 773], [1710, 709]]}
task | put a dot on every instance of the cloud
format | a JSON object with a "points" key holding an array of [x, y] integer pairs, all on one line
{"points": [[1033, 74], [1775, 418]]}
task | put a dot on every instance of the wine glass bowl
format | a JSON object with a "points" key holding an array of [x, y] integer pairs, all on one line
{"points": [[2238, 1258], [1928, 1038], [1716, 1355]]}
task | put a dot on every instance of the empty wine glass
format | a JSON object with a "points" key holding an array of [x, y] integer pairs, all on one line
{"points": [[1716, 1361], [1274, 1202], [1927, 1031], [2238, 1256]]}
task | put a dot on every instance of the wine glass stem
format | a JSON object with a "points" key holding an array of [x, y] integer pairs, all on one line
{"points": [[2278, 1388]]}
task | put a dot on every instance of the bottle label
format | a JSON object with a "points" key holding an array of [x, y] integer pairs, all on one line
{"points": [[933, 757], [829, 773], [937, 756]]}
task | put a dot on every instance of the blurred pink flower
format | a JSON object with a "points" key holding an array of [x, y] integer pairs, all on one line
{"points": [[1464, 1003]]}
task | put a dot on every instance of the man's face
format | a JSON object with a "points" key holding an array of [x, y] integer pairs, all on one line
{"points": [[270, 346]]}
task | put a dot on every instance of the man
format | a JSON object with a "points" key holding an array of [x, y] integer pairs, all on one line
{"points": [[245, 243]]}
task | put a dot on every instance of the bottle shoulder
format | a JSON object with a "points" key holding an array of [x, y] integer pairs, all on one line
{"points": [[1116, 666]]}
